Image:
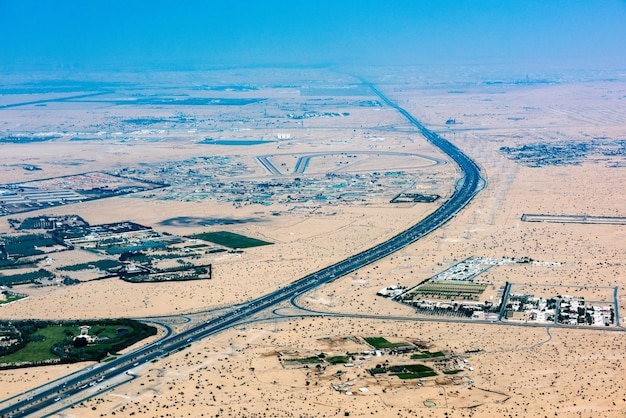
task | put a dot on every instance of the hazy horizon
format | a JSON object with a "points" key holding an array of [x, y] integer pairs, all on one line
{"points": [[94, 36]]}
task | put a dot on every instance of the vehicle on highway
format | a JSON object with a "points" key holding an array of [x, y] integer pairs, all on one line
{"points": [[468, 186]]}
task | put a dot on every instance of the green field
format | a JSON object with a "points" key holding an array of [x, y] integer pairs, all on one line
{"points": [[319, 359], [427, 354], [416, 375], [407, 371], [306, 360], [230, 239], [379, 343], [37, 350], [45, 341], [11, 297], [412, 371], [338, 360]]}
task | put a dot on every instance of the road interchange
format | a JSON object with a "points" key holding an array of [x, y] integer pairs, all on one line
{"points": [[466, 188]]}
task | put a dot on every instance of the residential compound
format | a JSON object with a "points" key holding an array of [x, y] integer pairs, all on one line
{"points": [[563, 309], [461, 291]]}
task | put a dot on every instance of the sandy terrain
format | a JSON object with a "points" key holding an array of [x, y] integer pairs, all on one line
{"points": [[519, 371]]}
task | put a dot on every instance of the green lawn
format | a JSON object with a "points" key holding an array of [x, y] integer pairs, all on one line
{"points": [[230, 240], [338, 359], [416, 375], [417, 368], [39, 347], [415, 371], [427, 354], [307, 360], [379, 343], [38, 350], [11, 297], [108, 330], [405, 371]]}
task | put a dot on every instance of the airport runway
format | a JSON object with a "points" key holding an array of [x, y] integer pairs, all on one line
{"points": [[95, 378]]}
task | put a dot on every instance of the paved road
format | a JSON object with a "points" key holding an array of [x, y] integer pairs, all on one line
{"points": [[58, 99], [268, 165], [434, 318], [466, 188], [303, 162]]}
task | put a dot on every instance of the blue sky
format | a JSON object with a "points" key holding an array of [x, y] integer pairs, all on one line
{"points": [[96, 34]]}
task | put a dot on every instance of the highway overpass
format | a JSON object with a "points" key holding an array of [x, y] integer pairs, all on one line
{"points": [[466, 188]]}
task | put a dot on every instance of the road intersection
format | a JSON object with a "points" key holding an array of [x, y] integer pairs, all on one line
{"points": [[466, 188]]}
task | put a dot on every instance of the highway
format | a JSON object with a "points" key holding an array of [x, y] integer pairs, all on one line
{"points": [[58, 99], [268, 165], [466, 188]]}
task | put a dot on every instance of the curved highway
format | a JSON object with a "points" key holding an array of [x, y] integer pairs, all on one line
{"points": [[466, 188]]}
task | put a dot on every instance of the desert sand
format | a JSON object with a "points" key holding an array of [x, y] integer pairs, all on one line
{"points": [[518, 371]]}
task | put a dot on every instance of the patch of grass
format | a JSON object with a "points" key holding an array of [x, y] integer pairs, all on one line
{"points": [[109, 331], [380, 343], [46, 341], [406, 371], [377, 370], [338, 360], [417, 368], [415, 371], [405, 376], [230, 239], [38, 350], [11, 297], [306, 360], [427, 354], [456, 371]]}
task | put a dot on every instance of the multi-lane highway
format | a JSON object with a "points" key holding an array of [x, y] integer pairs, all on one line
{"points": [[466, 188]]}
